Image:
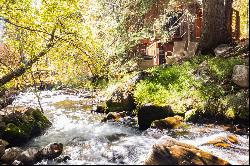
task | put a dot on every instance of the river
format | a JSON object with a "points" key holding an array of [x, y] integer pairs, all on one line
{"points": [[87, 140]]}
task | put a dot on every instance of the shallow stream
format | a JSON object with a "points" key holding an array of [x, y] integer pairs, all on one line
{"points": [[88, 141]]}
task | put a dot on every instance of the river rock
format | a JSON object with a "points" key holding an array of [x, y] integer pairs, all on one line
{"points": [[116, 116], [169, 151], [62, 159], [148, 113], [51, 151], [2, 150], [7, 97], [240, 75], [168, 123], [3, 144], [22, 123], [221, 49], [122, 98], [28, 156], [138, 77], [16, 162], [223, 141], [193, 115], [98, 109], [11, 154]]}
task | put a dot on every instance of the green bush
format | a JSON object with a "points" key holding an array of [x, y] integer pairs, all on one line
{"points": [[201, 84]]}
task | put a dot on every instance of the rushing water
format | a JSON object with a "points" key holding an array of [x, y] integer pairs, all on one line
{"points": [[88, 141]]}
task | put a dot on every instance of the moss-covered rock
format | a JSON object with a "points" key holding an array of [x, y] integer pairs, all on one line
{"points": [[168, 123], [149, 113], [22, 123]]}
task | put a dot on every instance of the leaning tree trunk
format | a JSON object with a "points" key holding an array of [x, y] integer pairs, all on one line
{"points": [[216, 20]]}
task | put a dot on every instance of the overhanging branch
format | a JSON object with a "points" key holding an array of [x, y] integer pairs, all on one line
{"points": [[23, 68]]}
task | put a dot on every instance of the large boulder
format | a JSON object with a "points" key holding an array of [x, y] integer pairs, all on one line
{"points": [[148, 113], [168, 123], [168, 151], [22, 123], [240, 75], [221, 49]]}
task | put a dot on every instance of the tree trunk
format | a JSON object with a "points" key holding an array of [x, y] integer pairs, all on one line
{"points": [[216, 21], [229, 15]]}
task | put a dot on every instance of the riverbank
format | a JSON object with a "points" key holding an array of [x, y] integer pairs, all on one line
{"points": [[201, 90]]}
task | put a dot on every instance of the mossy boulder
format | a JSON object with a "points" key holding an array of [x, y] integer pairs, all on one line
{"points": [[21, 124], [168, 123], [149, 113], [169, 151]]}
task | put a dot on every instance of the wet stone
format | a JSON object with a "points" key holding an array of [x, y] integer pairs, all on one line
{"points": [[51, 151], [28, 156], [62, 159], [11, 154], [224, 142], [169, 151]]}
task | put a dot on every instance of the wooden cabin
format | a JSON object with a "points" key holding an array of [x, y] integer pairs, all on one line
{"points": [[184, 42]]}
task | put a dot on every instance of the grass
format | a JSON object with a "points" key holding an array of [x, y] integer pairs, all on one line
{"points": [[202, 83]]}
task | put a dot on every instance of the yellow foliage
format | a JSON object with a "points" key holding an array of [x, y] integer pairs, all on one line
{"points": [[242, 6]]}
